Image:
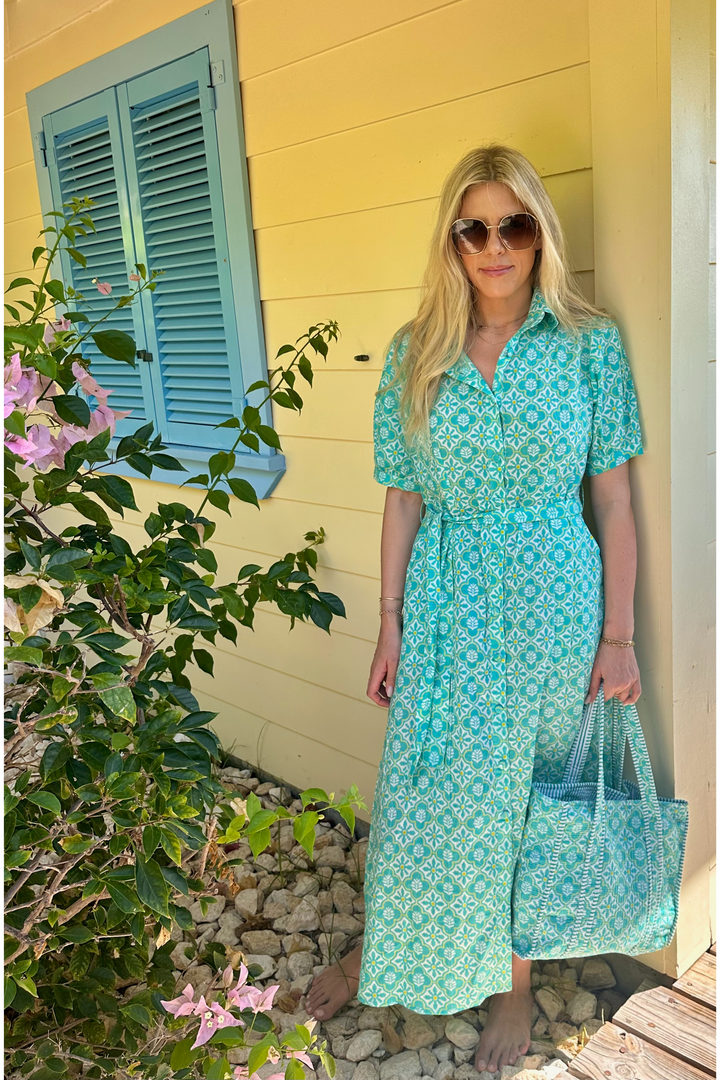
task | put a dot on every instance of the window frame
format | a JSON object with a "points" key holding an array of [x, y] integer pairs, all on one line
{"points": [[210, 26]]}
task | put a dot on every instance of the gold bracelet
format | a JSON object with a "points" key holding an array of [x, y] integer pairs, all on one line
{"points": [[617, 641], [386, 611]]}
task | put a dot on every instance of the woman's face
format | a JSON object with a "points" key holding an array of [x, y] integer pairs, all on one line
{"points": [[490, 202]]}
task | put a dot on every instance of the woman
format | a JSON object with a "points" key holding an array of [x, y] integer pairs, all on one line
{"points": [[500, 614]]}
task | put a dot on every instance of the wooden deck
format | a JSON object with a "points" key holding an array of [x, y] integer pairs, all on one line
{"points": [[659, 1033]]}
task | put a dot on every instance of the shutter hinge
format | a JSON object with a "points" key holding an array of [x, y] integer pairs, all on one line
{"points": [[217, 73], [143, 354], [40, 149], [207, 99]]}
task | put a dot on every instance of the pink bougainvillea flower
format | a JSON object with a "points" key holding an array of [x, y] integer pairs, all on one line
{"points": [[38, 449], [134, 277], [54, 328], [103, 287], [252, 998], [241, 1073], [212, 1018], [21, 386], [182, 1005], [89, 385]]}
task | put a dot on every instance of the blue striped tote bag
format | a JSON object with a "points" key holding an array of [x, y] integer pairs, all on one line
{"points": [[600, 865]]}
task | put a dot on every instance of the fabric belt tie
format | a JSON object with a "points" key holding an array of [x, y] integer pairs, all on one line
{"points": [[433, 720]]}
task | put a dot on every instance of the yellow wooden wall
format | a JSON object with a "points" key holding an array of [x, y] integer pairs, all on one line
{"points": [[354, 113]]}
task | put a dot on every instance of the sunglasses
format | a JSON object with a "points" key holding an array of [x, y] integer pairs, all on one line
{"points": [[517, 232]]}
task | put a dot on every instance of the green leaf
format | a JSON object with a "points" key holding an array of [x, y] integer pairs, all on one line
{"points": [[221, 499], [29, 596], [10, 990], [171, 846], [197, 621], [119, 700], [152, 888], [183, 1053], [119, 489], [72, 409], [268, 436], [37, 252], [167, 462], [76, 844], [150, 839], [116, 344], [46, 800], [204, 660], [24, 655], [141, 463], [77, 256], [55, 288], [220, 1069], [18, 281], [138, 1013], [15, 423], [32, 555], [241, 489], [69, 556], [154, 525], [80, 935], [123, 897]]}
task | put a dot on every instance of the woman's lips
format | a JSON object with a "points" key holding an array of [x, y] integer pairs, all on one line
{"points": [[492, 272]]}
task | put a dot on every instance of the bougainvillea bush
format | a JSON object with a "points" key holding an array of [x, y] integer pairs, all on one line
{"points": [[113, 805]]}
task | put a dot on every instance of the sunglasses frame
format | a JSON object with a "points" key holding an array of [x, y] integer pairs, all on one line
{"points": [[498, 227]]}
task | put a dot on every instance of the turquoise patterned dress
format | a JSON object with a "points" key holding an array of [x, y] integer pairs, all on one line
{"points": [[502, 618]]}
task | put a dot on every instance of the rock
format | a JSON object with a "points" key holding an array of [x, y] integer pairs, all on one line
{"points": [[366, 1070], [343, 897], [298, 943], [179, 958], [362, 1045], [444, 1070], [266, 963], [597, 974], [340, 1025], [277, 903], [209, 930], [266, 861], [299, 964], [369, 1017], [330, 856], [418, 1033], [461, 1057], [443, 1051], [306, 885], [344, 1070], [555, 1067], [532, 1061], [248, 902], [428, 1061], [302, 983], [261, 941], [551, 968], [540, 1027], [467, 1072], [404, 1066], [560, 1032], [214, 910], [581, 1007], [304, 917], [229, 923], [530, 1074], [199, 978], [509, 1071], [461, 1034], [346, 924], [244, 877], [332, 946], [551, 1003]]}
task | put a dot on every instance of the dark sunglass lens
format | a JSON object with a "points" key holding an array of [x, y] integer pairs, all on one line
{"points": [[469, 236], [518, 231]]}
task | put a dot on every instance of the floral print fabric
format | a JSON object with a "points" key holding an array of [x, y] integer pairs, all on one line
{"points": [[502, 618]]}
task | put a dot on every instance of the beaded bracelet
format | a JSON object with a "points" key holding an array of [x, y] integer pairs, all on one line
{"points": [[398, 611]]}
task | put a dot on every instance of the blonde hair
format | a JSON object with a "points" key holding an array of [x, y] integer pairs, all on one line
{"points": [[438, 332]]}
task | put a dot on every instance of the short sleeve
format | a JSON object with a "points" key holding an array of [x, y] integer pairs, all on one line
{"points": [[615, 425], [393, 462]]}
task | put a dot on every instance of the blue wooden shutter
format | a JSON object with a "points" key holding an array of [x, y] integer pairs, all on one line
{"points": [[84, 157], [176, 201]]}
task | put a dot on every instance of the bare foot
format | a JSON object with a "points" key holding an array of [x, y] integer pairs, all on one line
{"points": [[334, 986], [507, 1033]]}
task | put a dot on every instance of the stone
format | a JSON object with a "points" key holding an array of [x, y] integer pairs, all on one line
{"points": [[331, 855], [344, 1070], [304, 917], [229, 923], [302, 983], [404, 1066], [461, 1034], [366, 1070], [362, 1045], [262, 941], [306, 885], [277, 903], [597, 974], [208, 932], [299, 964], [369, 1017], [467, 1072], [532, 1061], [540, 1027], [339, 1025], [529, 1074], [179, 958], [555, 1067], [560, 1032], [417, 1033], [248, 902], [266, 963], [551, 968], [428, 1061], [509, 1071], [551, 1003], [199, 978], [461, 1057], [214, 910], [581, 1007], [346, 924], [444, 1070], [244, 877], [443, 1051], [343, 897]]}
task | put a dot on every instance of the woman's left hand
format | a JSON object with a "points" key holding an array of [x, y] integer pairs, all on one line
{"points": [[617, 667]]}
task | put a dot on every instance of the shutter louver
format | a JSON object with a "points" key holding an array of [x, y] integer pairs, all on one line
{"points": [[87, 161], [175, 191]]}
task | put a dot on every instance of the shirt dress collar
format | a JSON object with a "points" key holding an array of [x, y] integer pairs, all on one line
{"points": [[464, 369]]}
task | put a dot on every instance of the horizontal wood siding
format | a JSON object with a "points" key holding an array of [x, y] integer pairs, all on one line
{"points": [[354, 114]]}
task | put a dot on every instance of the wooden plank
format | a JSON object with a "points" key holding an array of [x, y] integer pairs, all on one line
{"points": [[712, 948], [673, 1022], [699, 981], [387, 247], [406, 158], [413, 65], [616, 1053]]}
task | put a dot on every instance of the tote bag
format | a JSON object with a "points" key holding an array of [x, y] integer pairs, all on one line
{"points": [[600, 865]]}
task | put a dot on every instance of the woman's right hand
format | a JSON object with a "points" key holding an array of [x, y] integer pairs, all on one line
{"points": [[383, 670]]}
